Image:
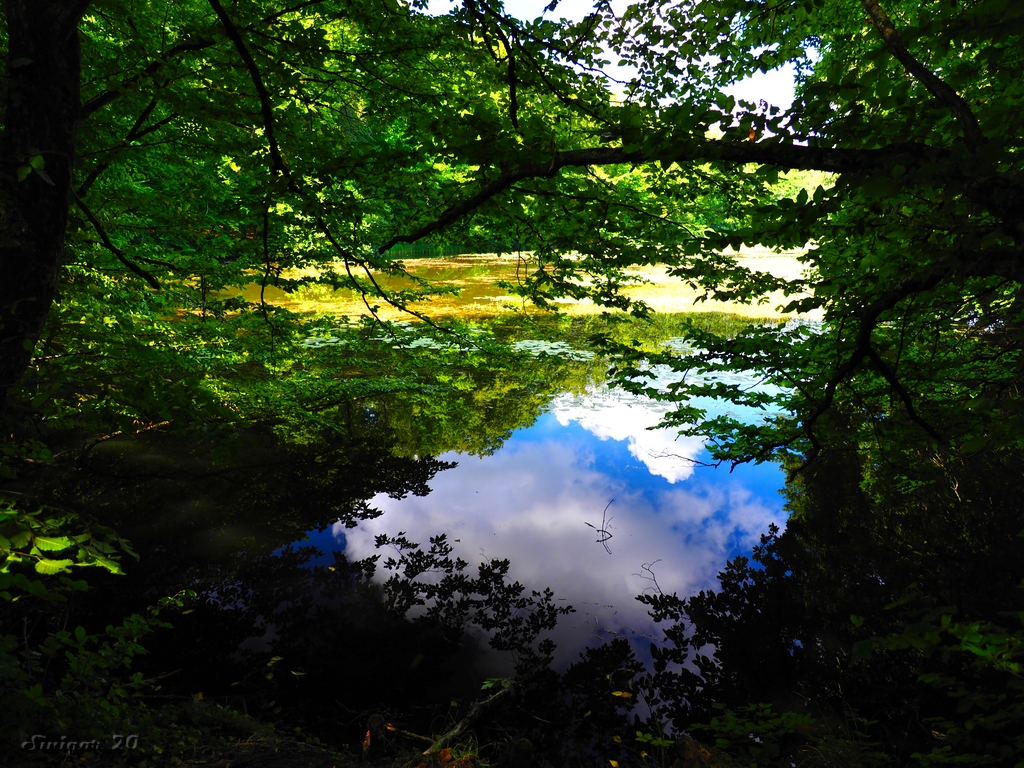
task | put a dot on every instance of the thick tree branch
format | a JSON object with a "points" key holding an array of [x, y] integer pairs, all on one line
{"points": [[476, 712], [783, 155], [935, 85]]}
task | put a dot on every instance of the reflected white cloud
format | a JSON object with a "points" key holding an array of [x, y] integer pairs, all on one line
{"points": [[617, 415], [532, 500]]}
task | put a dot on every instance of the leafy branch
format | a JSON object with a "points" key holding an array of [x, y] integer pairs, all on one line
{"points": [[43, 538]]}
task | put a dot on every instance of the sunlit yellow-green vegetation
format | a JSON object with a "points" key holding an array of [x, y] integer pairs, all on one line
{"points": [[482, 280], [476, 286], [790, 183]]}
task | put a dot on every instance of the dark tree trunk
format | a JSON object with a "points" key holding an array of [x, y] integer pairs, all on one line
{"points": [[40, 116]]}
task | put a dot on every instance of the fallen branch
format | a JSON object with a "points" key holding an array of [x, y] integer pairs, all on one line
{"points": [[476, 712]]}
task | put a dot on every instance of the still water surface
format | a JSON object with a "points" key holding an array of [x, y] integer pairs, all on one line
{"points": [[591, 463]]}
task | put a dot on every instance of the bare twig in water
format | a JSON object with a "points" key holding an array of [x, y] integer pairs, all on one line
{"points": [[603, 532]]}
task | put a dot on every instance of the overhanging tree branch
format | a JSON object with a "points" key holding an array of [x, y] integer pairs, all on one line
{"points": [[783, 155], [277, 163], [279, 167], [862, 348]]}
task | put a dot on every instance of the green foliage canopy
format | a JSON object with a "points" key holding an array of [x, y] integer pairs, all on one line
{"points": [[213, 146]]}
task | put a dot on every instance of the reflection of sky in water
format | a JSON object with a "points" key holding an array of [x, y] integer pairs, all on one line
{"points": [[530, 503]]}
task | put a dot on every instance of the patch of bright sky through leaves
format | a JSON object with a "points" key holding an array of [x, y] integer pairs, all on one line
{"points": [[776, 87]]}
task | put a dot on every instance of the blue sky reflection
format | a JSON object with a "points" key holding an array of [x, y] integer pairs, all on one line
{"points": [[531, 502]]}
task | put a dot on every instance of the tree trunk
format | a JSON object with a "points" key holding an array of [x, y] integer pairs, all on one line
{"points": [[40, 119]]}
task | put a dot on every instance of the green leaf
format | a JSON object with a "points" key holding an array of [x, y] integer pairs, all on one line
{"points": [[96, 559], [51, 544], [50, 567]]}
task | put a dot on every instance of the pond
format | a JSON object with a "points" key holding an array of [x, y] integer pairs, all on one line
{"points": [[593, 501]]}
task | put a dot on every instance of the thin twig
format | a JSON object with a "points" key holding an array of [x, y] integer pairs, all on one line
{"points": [[603, 530], [135, 268]]}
